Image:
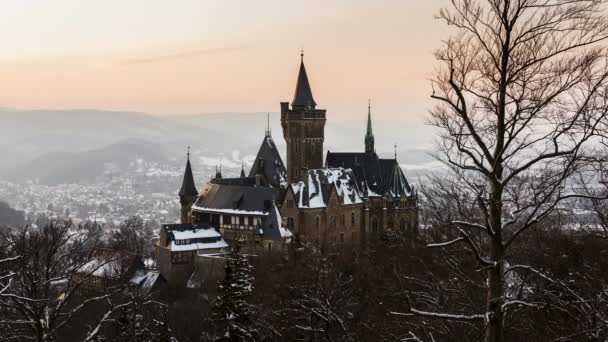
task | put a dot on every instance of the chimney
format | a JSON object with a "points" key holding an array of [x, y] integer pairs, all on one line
{"points": [[284, 109]]}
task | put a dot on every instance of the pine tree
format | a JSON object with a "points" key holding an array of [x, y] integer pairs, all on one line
{"points": [[233, 317]]}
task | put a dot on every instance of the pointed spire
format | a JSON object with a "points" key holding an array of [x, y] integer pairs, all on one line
{"points": [[218, 172], [188, 188], [303, 98], [268, 131], [369, 135], [242, 169]]}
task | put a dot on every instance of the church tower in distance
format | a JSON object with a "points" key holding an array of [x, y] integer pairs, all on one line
{"points": [[303, 129]]}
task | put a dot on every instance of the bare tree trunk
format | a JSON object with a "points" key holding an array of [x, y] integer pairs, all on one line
{"points": [[521, 105], [495, 295]]}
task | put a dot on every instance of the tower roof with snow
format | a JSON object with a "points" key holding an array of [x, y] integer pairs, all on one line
{"points": [[374, 176]]}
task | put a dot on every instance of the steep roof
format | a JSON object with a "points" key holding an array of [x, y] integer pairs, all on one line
{"points": [[315, 192], [303, 96], [188, 188], [272, 227], [269, 161], [235, 199], [375, 176], [233, 196], [243, 171]]}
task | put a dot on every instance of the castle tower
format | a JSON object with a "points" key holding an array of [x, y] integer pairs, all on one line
{"points": [[303, 129], [188, 192], [369, 135]]}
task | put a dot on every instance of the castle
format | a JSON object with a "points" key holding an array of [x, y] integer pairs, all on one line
{"points": [[349, 198]]}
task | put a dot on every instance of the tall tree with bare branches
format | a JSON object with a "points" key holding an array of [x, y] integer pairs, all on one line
{"points": [[521, 98]]}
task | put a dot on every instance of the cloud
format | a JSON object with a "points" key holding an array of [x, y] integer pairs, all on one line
{"points": [[181, 55]]}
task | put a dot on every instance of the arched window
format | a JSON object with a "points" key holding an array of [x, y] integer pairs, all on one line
{"points": [[342, 221], [318, 222], [374, 224], [352, 219]]}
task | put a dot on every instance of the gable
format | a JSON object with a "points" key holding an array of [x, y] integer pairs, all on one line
{"points": [[269, 162]]}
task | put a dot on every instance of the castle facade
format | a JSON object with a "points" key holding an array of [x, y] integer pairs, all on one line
{"points": [[344, 198]]}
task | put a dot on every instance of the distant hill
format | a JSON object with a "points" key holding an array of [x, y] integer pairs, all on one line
{"points": [[26, 135], [10, 217], [33, 138], [76, 167]]}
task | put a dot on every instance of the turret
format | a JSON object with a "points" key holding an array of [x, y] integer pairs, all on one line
{"points": [[188, 192], [242, 170], [303, 129]]}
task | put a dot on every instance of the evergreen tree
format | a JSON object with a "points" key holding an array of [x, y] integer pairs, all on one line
{"points": [[233, 316], [144, 321]]}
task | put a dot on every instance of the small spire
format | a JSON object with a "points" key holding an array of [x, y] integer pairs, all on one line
{"points": [[369, 135], [218, 172], [302, 55], [395, 151], [188, 153], [268, 131], [242, 169]]}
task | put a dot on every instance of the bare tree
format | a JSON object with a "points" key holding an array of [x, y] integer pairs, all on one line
{"points": [[43, 280], [522, 96], [321, 302]]}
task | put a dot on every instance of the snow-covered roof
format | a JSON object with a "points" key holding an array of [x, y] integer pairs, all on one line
{"points": [[196, 246], [272, 228], [374, 176], [108, 267], [194, 234], [189, 237], [146, 280], [226, 197], [315, 192], [229, 211]]}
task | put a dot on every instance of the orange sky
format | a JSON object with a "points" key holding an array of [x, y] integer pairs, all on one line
{"points": [[194, 56]]}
